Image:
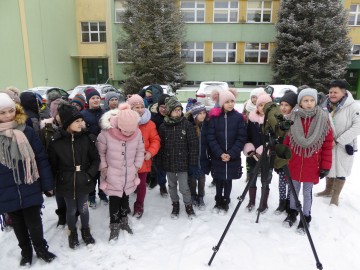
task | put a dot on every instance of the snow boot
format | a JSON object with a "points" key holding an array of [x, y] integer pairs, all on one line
{"points": [[114, 231], [282, 207], [138, 209], [163, 192], [43, 253], [225, 204], [26, 255], [328, 191], [300, 228], [92, 201], [73, 239], [252, 198], [176, 210], [264, 206], [218, 202], [124, 225], [190, 210], [86, 236], [61, 212], [291, 218], [338, 186]]}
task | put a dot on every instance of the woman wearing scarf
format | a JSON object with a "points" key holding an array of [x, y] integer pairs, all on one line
{"points": [[25, 173], [345, 116], [310, 139]]}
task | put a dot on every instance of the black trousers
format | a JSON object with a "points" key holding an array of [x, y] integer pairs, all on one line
{"points": [[79, 205], [28, 226], [118, 207]]}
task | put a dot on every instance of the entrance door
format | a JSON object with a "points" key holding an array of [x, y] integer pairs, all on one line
{"points": [[95, 71]]}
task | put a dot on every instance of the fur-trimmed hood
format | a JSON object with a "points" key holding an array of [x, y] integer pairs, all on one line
{"points": [[105, 120], [20, 116]]}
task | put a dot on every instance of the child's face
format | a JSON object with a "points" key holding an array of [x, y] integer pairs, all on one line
{"points": [[94, 102], [7, 115], [113, 103], [307, 103], [76, 126], [201, 117], [140, 109], [162, 110], [285, 108], [253, 99], [127, 133], [77, 106], [260, 108], [229, 105], [176, 113]]}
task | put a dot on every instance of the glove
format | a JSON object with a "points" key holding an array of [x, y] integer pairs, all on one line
{"points": [[195, 171], [323, 173]]}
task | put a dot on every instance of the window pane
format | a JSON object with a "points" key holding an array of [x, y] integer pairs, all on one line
{"points": [[255, 16], [234, 4], [85, 37], [189, 56], [251, 57], [232, 46], [254, 4], [233, 16], [252, 46], [84, 27], [219, 45], [267, 4], [356, 49], [119, 15], [188, 16], [267, 16], [199, 45], [353, 8], [358, 19], [93, 26], [200, 16], [221, 4], [351, 19], [219, 57], [231, 57], [200, 5], [187, 4], [199, 57], [220, 17], [263, 57], [102, 26], [94, 37], [102, 37]]}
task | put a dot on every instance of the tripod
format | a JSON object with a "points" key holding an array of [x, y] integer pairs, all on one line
{"points": [[268, 161]]}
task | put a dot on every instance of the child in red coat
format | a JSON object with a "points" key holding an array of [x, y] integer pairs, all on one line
{"points": [[310, 139]]}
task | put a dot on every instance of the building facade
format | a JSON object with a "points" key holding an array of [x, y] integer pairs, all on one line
{"points": [[68, 42]]}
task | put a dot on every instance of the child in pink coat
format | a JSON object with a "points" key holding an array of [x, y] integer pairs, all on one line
{"points": [[121, 149]]}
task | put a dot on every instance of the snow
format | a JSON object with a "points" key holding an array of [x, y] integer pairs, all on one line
{"points": [[160, 242]]}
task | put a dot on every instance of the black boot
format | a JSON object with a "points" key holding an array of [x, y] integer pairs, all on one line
{"points": [[300, 228], [282, 207], [252, 198], [26, 255], [176, 210], [73, 239], [291, 218], [43, 253], [114, 231], [61, 212], [225, 204], [264, 206], [190, 210], [218, 203], [124, 225], [86, 236]]}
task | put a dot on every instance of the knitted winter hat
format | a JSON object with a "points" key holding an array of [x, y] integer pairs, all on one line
{"points": [[263, 98], [289, 97], [6, 101], [127, 119], [197, 108], [51, 96], [223, 95], [308, 92], [161, 100], [257, 91], [171, 103], [135, 100], [54, 107], [80, 100], [13, 93], [110, 95], [90, 92], [29, 101], [68, 114]]}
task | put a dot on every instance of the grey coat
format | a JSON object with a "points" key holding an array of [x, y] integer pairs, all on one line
{"points": [[346, 127]]}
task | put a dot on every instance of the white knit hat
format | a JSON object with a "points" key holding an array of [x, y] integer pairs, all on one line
{"points": [[6, 101], [307, 92]]}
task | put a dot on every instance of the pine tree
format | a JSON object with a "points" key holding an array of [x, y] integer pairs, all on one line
{"points": [[313, 46], [152, 33]]}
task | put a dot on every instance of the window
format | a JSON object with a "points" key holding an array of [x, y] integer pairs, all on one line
{"points": [[193, 52], [93, 32], [257, 53], [355, 49], [119, 49], [354, 18], [259, 11], [250, 83], [119, 11], [193, 11], [224, 52], [226, 11]]}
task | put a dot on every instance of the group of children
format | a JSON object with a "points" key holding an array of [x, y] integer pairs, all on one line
{"points": [[118, 148]]}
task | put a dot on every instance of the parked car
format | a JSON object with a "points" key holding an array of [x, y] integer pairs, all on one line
{"points": [[167, 89], [278, 90], [102, 88], [203, 94], [43, 90]]}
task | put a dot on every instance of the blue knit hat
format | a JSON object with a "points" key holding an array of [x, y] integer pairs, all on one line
{"points": [[197, 108]]}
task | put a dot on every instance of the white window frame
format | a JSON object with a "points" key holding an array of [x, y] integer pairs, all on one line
{"points": [[196, 10], [195, 49], [121, 12], [356, 15], [261, 10], [226, 50], [91, 32], [358, 49], [228, 10], [258, 51]]}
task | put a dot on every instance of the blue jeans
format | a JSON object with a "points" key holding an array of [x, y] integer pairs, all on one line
{"points": [[160, 176]]}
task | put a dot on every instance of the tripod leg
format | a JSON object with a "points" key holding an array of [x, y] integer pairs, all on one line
{"points": [[298, 205]]}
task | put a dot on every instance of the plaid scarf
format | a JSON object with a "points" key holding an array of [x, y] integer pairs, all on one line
{"points": [[334, 107], [15, 147]]}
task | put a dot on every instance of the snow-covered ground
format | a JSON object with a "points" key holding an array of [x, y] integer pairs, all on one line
{"points": [[160, 242]]}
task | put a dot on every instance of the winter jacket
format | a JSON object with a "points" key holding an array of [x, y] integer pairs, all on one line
{"points": [[75, 161], [14, 197], [47, 130], [254, 134], [308, 169], [151, 143], [179, 146], [92, 118], [121, 158], [33, 121], [226, 134], [346, 123], [158, 119]]}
